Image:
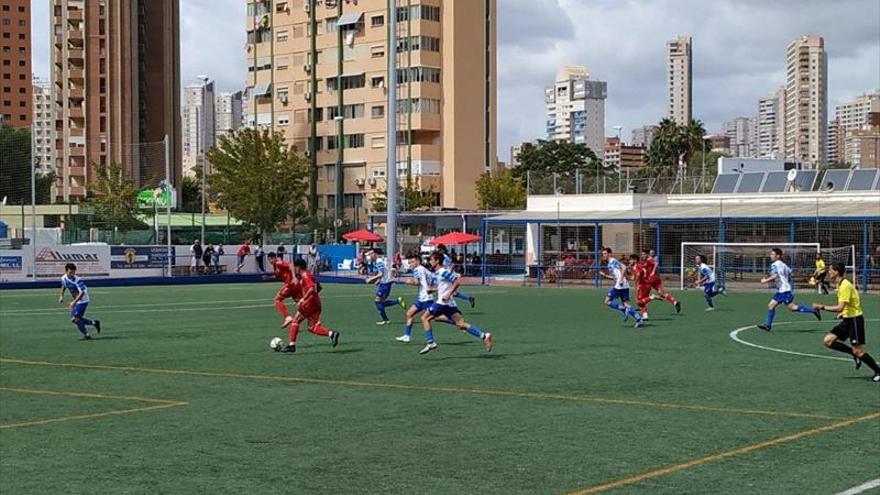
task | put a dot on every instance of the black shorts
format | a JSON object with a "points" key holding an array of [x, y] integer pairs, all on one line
{"points": [[852, 329]]}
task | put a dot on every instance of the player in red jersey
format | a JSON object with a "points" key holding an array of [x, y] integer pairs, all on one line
{"points": [[283, 271], [308, 308], [243, 251], [642, 278], [650, 263]]}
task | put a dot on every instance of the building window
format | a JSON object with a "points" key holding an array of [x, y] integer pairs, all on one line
{"points": [[418, 74], [377, 142], [377, 112], [377, 51], [377, 20], [377, 82], [283, 119], [281, 36], [348, 82], [331, 24], [355, 111]]}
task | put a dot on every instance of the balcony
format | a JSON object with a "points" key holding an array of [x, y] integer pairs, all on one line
{"points": [[77, 151], [75, 93], [73, 171], [74, 15], [74, 53], [58, 40], [76, 74], [75, 34], [77, 132], [77, 113]]}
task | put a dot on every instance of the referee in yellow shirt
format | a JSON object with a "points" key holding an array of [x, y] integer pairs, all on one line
{"points": [[852, 322]]}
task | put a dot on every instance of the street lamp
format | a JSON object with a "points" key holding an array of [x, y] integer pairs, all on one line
{"points": [[340, 174]]}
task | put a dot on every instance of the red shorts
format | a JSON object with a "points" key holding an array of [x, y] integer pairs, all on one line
{"points": [[656, 284], [643, 294], [311, 310], [287, 291]]}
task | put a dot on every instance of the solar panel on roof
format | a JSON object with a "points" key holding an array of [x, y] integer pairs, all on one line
{"points": [[751, 182], [725, 183], [775, 183], [862, 179], [836, 177], [806, 179]]}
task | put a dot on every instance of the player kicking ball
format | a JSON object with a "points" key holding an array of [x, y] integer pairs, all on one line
{"points": [[308, 308], [655, 282], [620, 289], [780, 274], [291, 288], [447, 284], [852, 322], [80, 293], [706, 280], [424, 280], [384, 282]]}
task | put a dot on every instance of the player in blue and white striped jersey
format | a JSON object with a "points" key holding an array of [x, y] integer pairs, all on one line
{"points": [[620, 289], [80, 293], [447, 283], [706, 280], [448, 263], [424, 280], [384, 280], [780, 274]]}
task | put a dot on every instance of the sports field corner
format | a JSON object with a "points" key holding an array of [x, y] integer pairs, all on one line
{"points": [[186, 397]]}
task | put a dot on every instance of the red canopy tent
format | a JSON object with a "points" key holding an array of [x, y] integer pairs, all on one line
{"points": [[455, 239], [361, 236]]}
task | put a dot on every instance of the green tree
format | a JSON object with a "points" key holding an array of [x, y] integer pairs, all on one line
{"points": [[501, 189], [541, 160], [190, 194], [411, 197], [259, 179], [673, 142], [113, 196], [15, 168]]}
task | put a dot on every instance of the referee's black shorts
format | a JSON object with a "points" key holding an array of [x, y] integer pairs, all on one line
{"points": [[852, 329]]}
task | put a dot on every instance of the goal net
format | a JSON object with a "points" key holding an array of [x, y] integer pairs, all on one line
{"points": [[742, 265]]}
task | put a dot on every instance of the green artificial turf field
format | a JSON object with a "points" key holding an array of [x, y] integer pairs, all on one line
{"points": [[181, 394]]}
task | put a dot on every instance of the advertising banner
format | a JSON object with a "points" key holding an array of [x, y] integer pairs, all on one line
{"points": [[138, 257], [89, 260]]}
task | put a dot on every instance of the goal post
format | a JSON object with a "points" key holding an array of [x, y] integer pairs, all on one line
{"points": [[742, 265]]}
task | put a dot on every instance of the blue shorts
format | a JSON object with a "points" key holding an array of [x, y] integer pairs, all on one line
{"points": [[709, 288], [443, 310], [623, 294], [783, 297], [423, 305], [383, 290], [79, 310]]}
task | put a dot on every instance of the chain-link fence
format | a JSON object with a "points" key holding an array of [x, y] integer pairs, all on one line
{"points": [[585, 181]]}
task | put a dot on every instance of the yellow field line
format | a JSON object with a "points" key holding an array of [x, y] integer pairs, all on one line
{"points": [[159, 404], [418, 388], [722, 455]]}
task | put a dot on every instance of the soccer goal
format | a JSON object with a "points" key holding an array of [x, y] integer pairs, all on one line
{"points": [[742, 265]]}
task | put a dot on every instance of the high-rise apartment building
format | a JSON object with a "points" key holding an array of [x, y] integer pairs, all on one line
{"points": [[740, 132], [851, 116], [576, 109], [865, 143], [806, 100], [834, 142], [199, 123], [15, 40], [116, 76], [43, 126], [767, 128], [679, 79], [445, 81], [228, 112], [643, 136]]}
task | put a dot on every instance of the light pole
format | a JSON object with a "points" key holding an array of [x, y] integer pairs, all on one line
{"points": [[703, 171], [619, 128], [340, 173]]}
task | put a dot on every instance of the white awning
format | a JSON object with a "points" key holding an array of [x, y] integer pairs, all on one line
{"points": [[350, 19], [261, 90]]}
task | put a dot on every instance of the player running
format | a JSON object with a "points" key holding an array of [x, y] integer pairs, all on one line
{"points": [[447, 284], [620, 289], [384, 282], [852, 322], [80, 293], [423, 279], [655, 282], [291, 288], [706, 279], [781, 274], [308, 308], [640, 277], [448, 263]]}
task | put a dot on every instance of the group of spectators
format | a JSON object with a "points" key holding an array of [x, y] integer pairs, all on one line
{"points": [[205, 259]]}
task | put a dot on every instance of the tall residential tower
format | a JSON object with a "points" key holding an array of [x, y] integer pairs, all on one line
{"points": [[679, 79], [576, 109], [806, 100]]}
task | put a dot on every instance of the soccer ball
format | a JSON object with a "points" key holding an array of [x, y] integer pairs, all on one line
{"points": [[276, 344]]}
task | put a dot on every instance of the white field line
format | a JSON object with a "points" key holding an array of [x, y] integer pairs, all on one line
{"points": [[735, 336], [862, 488]]}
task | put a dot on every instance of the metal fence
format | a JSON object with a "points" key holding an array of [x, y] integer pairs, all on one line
{"points": [[584, 181]]}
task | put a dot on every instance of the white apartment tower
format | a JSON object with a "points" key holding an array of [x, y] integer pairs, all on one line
{"points": [[679, 79], [643, 136], [852, 116], [576, 109], [228, 110], [806, 99], [740, 133], [767, 128], [199, 125], [43, 125]]}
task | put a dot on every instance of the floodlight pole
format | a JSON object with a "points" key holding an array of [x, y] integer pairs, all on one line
{"points": [[33, 205], [391, 172], [168, 205]]}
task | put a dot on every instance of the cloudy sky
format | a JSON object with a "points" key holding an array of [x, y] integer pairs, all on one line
{"points": [[739, 52]]}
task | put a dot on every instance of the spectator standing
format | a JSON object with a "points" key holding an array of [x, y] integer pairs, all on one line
{"points": [[260, 256], [312, 258], [207, 256], [195, 252], [243, 251], [217, 254]]}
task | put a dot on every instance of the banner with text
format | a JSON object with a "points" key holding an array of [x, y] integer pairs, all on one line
{"points": [[89, 260], [138, 257]]}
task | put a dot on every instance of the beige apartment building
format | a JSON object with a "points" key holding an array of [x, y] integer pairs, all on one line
{"points": [[116, 77], [679, 79], [852, 116], [445, 87], [43, 125], [806, 100]]}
